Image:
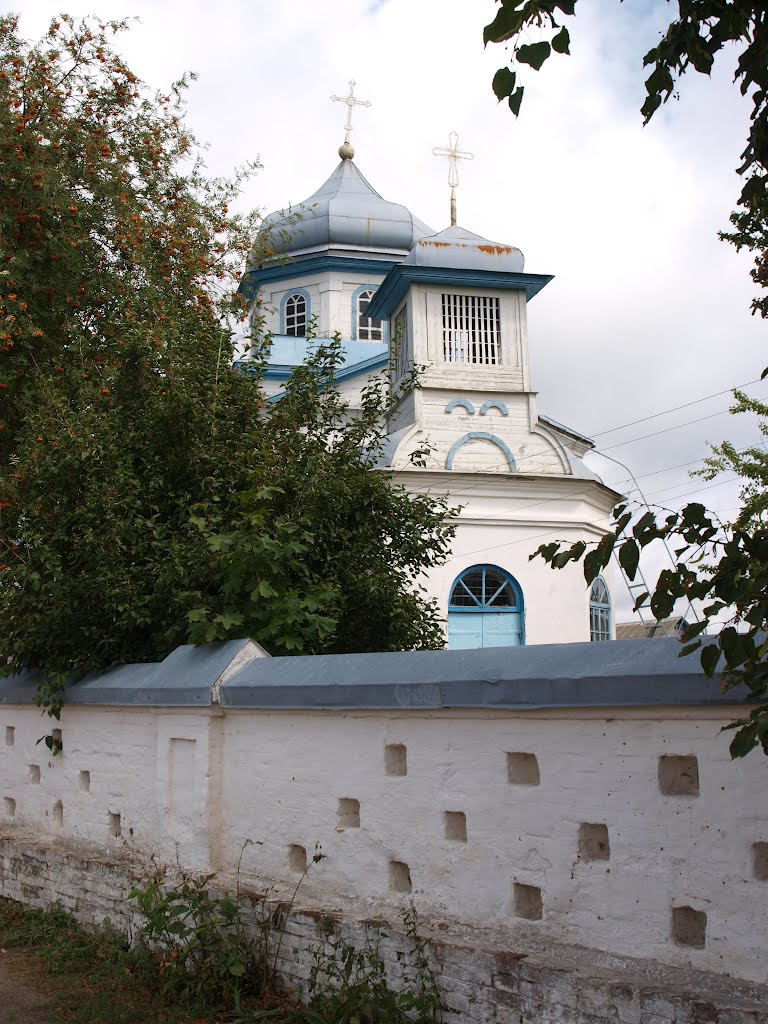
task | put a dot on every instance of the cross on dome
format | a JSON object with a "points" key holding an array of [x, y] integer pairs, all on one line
{"points": [[454, 154], [346, 150]]}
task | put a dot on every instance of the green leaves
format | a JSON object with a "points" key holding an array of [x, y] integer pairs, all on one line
{"points": [[504, 82], [507, 23], [533, 54], [515, 100], [629, 558], [561, 41]]}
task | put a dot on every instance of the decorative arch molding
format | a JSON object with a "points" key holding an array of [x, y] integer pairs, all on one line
{"points": [[284, 302], [558, 448], [481, 435], [494, 403], [463, 402]]}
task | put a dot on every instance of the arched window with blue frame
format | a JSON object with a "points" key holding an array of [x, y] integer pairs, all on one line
{"points": [[599, 611], [485, 609]]}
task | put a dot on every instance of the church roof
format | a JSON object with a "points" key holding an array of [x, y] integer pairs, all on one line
{"points": [[457, 248], [346, 212]]}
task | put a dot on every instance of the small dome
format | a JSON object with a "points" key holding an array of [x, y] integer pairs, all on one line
{"points": [[345, 212], [457, 248]]}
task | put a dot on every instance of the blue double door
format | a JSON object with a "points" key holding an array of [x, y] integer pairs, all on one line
{"points": [[467, 630], [485, 609]]}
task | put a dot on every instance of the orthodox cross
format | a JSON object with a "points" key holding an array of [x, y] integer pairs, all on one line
{"points": [[454, 154], [346, 152]]}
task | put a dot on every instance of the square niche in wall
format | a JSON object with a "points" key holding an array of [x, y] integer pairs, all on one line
{"points": [[679, 775], [689, 927], [523, 769], [526, 902]]}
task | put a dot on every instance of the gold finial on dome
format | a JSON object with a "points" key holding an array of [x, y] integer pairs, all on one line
{"points": [[346, 150]]}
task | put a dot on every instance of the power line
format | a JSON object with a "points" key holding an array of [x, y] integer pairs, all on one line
{"points": [[665, 430], [676, 408]]}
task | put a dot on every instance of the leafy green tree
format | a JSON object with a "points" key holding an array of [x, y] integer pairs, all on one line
{"points": [[725, 566], [149, 495]]}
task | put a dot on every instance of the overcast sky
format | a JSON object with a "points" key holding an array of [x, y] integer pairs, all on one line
{"points": [[648, 310]]}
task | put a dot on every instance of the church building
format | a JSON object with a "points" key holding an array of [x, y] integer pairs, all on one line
{"points": [[456, 304]]}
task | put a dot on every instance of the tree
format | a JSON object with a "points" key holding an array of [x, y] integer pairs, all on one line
{"points": [[149, 496], [723, 565], [701, 31]]}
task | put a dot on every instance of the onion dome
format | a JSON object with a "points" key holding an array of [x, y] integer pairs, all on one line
{"points": [[457, 248], [346, 213]]}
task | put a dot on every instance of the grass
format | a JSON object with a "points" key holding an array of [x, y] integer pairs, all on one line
{"points": [[91, 977], [94, 977]]}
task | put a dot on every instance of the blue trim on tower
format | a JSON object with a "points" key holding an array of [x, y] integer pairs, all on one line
{"points": [[252, 278], [494, 403], [401, 277], [481, 435], [454, 403]]}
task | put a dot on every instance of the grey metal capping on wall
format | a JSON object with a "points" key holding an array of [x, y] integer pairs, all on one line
{"points": [[628, 673], [612, 674], [184, 679]]}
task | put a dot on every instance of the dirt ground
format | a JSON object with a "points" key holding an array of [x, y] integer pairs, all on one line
{"points": [[20, 1001]]}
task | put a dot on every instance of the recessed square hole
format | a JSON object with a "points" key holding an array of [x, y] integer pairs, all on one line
{"points": [[593, 842], [679, 775], [399, 876], [523, 770], [84, 781], [689, 927], [58, 814], [58, 742], [348, 813], [760, 861], [33, 773], [455, 825], [114, 825], [10, 735], [395, 759], [527, 901], [9, 807], [297, 859]]}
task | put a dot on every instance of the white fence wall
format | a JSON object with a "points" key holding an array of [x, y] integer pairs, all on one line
{"points": [[627, 830]]}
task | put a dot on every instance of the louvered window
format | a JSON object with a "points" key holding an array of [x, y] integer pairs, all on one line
{"points": [[400, 343], [471, 330]]}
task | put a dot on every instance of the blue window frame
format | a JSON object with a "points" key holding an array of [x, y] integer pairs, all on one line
{"points": [[485, 609], [295, 311], [599, 611]]}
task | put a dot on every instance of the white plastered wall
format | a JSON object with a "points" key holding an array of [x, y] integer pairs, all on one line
{"points": [[191, 786]]}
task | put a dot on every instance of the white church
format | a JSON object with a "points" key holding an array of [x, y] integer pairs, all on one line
{"points": [[456, 304]]}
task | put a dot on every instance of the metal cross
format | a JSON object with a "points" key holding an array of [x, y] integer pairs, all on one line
{"points": [[454, 154], [351, 102]]}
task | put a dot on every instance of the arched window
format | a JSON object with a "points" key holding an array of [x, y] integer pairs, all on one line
{"points": [[367, 329], [599, 611], [485, 609], [296, 315]]}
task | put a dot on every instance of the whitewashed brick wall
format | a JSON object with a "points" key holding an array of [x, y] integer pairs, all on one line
{"points": [[627, 832]]}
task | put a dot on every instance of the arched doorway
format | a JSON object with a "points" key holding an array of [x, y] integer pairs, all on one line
{"points": [[485, 609]]}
